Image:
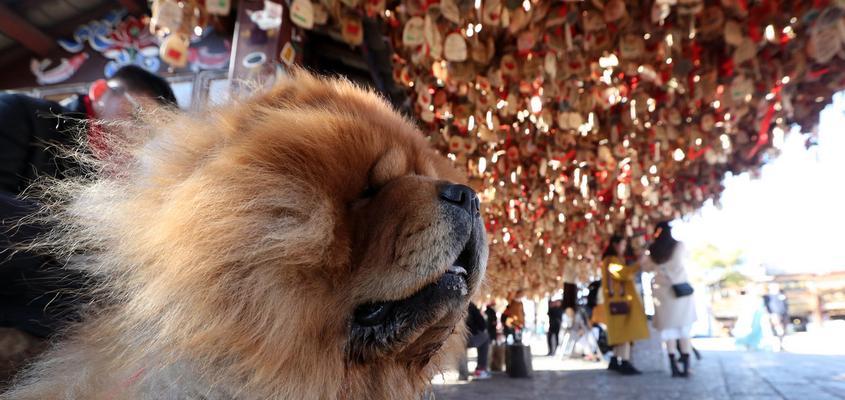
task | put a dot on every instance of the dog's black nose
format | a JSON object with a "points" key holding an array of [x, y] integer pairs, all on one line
{"points": [[462, 196]]}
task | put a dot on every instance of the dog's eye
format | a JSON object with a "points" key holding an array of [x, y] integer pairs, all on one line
{"points": [[369, 192]]}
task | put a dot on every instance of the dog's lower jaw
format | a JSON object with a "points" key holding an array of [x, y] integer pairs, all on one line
{"points": [[88, 373], [409, 373], [386, 380]]}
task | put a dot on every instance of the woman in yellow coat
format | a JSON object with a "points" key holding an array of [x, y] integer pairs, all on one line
{"points": [[623, 310]]}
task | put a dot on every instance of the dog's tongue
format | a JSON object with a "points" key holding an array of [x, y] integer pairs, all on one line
{"points": [[457, 269]]}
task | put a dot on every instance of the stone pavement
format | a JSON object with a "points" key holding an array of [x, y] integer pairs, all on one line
{"points": [[721, 374]]}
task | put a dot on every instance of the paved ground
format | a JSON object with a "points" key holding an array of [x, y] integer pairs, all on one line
{"points": [[721, 374]]}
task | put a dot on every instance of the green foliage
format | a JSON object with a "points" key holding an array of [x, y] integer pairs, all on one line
{"points": [[711, 256], [719, 267], [734, 279]]}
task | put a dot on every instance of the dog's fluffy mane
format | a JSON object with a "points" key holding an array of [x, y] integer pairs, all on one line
{"points": [[188, 304]]}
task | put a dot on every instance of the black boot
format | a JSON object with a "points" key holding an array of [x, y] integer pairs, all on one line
{"points": [[675, 371], [626, 368], [614, 364], [685, 365]]}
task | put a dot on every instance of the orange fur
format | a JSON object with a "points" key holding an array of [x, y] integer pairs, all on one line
{"points": [[232, 247]]}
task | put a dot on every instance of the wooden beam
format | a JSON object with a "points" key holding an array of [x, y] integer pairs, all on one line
{"points": [[21, 31], [68, 26], [133, 6]]}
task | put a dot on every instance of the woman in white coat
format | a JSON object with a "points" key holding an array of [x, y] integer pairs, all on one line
{"points": [[674, 305]]}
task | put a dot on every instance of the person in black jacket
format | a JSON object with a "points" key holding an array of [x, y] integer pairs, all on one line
{"points": [[478, 338], [492, 321], [555, 321], [32, 128], [36, 296]]}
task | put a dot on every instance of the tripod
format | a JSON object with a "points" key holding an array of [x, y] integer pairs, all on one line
{"points": [[579, 330]]}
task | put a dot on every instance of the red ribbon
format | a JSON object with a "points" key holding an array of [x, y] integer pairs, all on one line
{"points": [[765, 124]]}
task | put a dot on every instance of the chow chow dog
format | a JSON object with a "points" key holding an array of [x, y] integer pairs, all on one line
{"points": [[306, 243]]}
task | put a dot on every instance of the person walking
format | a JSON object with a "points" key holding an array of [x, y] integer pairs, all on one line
{"points": [[497, 349], [555, 320], [492, 321], [752, 329], [513, 318], [674, 304], [478, 338], [625, 317], [778, 309]]}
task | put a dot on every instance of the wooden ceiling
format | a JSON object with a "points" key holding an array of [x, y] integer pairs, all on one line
{"points": [[30, 27]]}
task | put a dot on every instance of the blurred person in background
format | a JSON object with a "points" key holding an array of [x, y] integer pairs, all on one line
{"points": [[492, 321], [674, 304], [778, 309], [32, 127], [555, 320], [624, 314], [596, 315], [753, 330], [478, 338], [513, 318], [35, 295]]}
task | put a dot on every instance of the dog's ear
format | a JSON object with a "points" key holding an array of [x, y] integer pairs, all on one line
{"points": [[301, 89], [336, 95]]}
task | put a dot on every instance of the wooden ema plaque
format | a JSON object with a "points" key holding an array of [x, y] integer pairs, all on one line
{"points": [[262, 31]]}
